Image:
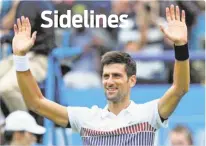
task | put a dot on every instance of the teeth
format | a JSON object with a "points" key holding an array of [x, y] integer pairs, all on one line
{"points": [[111, 89]]}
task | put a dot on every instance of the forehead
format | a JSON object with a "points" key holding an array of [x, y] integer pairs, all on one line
{"points": [[114, 68]]}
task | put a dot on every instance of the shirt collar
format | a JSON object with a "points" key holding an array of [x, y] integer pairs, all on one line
{"points": [[129, 109]]}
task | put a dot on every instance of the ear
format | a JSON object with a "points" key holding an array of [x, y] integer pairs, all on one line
{"points": [[132, 81]]}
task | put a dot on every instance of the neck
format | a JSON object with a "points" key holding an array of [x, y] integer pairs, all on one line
{"points": [[117, 107]]}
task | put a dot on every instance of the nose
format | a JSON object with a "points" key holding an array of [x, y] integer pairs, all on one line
{"points": [[110, 81]]}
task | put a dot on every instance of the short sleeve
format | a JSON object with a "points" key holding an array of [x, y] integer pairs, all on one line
{"points": [[155, 119], [77, 116]]}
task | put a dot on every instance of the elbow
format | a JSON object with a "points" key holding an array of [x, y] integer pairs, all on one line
{"points": [[181, 91], [185, 90], [34, 105]]}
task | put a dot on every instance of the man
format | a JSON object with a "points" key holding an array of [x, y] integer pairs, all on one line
{"points": [[181, 136], [121, 122], [20, 129]]}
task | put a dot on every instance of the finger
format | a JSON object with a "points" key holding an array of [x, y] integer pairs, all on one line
{"points": [[34, 37], [19, 25], [168, 14], [172, 12], [23, 23], [177, 13], [28, 27], [161, 28], [15, 29], [28, 24], [183, 16]]}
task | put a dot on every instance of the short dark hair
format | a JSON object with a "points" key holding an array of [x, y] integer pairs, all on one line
{"points": [[113, 57]]}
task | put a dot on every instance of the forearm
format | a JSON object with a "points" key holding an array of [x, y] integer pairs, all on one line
{"points": [[29, 89], [181, 76]]}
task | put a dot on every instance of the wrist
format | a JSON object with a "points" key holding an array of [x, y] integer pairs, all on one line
{"points": [[180, 43], [21, 63], [20, 53], [181, 52]]}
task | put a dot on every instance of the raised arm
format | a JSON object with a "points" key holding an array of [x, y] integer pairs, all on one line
{"points": [[176, 31], [33, 97]]}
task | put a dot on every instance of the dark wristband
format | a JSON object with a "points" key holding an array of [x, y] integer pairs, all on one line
{"points": [[181, 52]]}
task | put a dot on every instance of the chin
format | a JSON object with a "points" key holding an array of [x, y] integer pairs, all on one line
{"points": [[112, 98]]}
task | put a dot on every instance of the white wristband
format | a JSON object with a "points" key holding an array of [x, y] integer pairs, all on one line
{"points": [[21, 63]]}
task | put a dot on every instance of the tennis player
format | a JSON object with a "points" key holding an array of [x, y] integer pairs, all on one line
{"points": [[121, 122]]}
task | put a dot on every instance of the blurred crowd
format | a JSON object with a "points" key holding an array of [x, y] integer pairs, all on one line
{"points": [[142, 35]]}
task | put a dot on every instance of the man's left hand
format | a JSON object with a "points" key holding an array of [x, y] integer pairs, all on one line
{"points": [[176, 29]]}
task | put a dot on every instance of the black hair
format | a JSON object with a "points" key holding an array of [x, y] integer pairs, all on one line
{"points": [[113, 57]]}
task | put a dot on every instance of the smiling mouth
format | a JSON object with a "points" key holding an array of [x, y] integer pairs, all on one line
{"points": [[111, 90]]}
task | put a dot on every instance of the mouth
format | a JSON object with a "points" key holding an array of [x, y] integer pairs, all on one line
{"points": [[111, 90]]}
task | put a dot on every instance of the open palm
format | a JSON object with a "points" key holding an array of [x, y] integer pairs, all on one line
{"points": [[22, 40], [176, 29]]}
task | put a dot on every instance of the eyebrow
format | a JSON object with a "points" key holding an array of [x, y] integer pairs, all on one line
{"points": [[112, 73]]}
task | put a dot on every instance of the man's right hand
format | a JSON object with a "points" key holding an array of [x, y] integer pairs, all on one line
{"points": [[22, 41]]}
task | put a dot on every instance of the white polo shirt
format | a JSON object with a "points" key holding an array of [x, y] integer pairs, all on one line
{"points": [[135, 125]]}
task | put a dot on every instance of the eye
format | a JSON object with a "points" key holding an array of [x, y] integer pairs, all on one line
{"points": [[117, 75], [105, 76]]}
